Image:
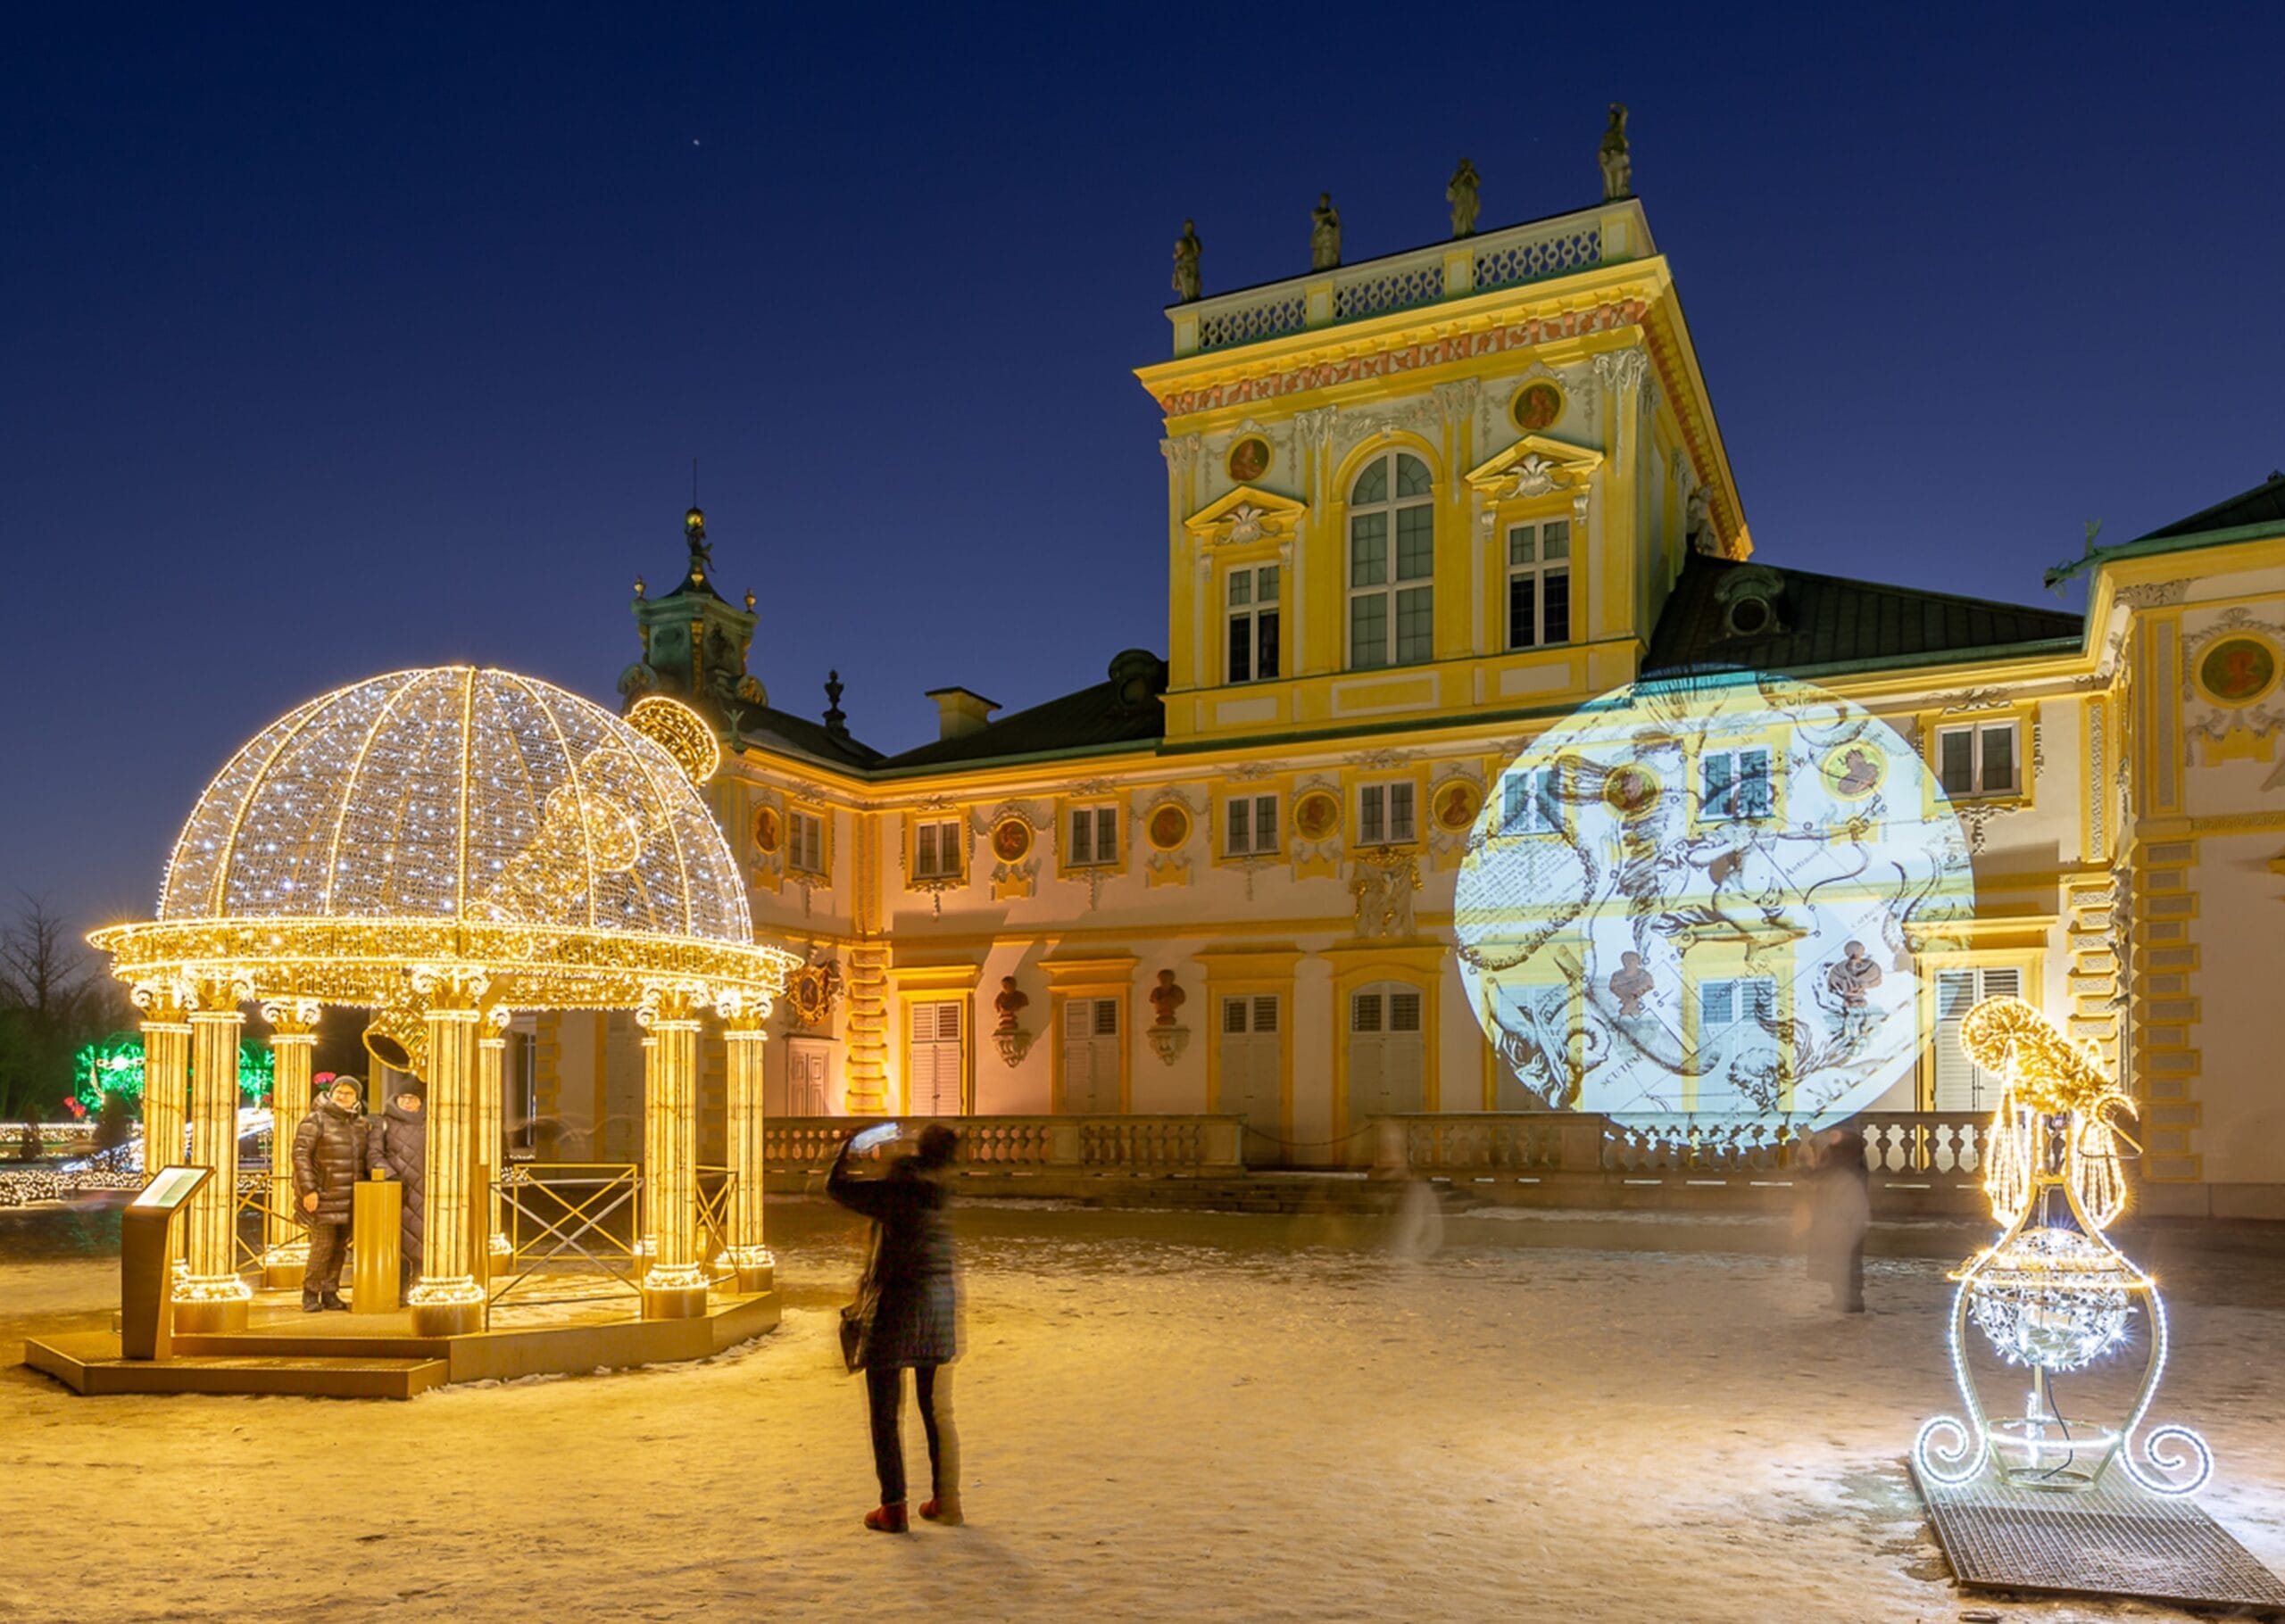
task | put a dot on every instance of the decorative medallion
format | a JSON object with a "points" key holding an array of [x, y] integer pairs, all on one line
{"points": [[1456, 802], [1316, 816], [1631, 789], [1853, 771], [768, 831], [2237, 670], [1536, 406], [1169, 826], [1011, 840], [1249, 460], [810, 992]]}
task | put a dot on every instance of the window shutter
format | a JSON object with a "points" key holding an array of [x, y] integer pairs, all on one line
{"points": [[1399, 813], [1106, 1018], [1239, 813], [1998, 759], [1265, 1013], [1714, 780], [1106, 835], [1955, 761], [1233, 1014], [1365, 1012], [1753, 784], [1404, 1012], [1369, 816]]}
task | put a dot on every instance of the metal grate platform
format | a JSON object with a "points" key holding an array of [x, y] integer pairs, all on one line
{"points": [[2117, 1539]]}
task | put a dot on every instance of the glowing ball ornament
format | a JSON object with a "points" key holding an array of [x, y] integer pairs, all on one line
{"points": [[1703, 895], [680, 731]]}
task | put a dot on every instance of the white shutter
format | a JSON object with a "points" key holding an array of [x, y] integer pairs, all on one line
{"points": [[1961, 1084]]}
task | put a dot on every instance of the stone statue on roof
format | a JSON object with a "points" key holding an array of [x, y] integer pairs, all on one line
{"points": [[1186, 282], [1618, 164], [1461, 192], [1325, 235]]}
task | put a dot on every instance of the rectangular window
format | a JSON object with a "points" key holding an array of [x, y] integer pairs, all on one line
{"points": [[1961, 1084], [1249, 826], [1384, 814], [1978, 760], [1734, 784], [1539, 584], [936, 850], [1252, 599], [1095, 837], [1528, 804], [935, 1088], [1091, 1055], [805, 843]]}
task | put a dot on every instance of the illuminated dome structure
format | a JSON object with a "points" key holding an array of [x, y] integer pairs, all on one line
{"points": [[443, 847]]}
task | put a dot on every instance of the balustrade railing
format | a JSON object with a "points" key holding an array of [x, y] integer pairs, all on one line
{"points": [[1407, 280], [1901, 1147], [1141, 1144]]}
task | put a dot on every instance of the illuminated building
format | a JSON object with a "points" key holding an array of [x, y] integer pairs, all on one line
{"points": [[1421, 510]]}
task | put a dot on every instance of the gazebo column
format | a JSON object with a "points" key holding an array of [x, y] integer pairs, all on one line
{"points": [[491, 1065], [448, 1301], [676, 1286], [746, 1252], [166, 1087], [293, 1041], [166, 1079], [209, 1295]]}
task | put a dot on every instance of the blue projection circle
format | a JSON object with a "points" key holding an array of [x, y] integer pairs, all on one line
{"points": [[1701, 896]]}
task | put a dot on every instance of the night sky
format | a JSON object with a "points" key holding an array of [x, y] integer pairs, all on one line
{"points": [[332, 348]]}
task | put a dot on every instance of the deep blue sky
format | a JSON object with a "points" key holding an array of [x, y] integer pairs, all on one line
{"points": [[334, 347]]}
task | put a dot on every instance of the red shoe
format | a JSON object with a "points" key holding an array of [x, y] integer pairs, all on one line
{"points": [[888, 1520], [936, 1510]]}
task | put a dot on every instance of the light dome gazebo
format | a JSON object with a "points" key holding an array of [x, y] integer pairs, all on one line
{"points": [[443, 847]]}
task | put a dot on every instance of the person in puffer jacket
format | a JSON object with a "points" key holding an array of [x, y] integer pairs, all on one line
{"points": [[329, 1151], [400, 1150]]}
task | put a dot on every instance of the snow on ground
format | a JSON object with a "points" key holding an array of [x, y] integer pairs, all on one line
{"points": [[1163, 1416]]}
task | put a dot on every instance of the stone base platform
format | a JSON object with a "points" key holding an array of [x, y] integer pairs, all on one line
{"points": [[377, 1355]]}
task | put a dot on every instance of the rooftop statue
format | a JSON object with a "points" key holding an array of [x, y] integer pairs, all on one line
{"points": [[1618, 166], [1187, 283], [1325, 235], [1461, 192]]}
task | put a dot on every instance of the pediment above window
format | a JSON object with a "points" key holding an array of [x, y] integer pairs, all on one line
{"points": [[1534, 466], [1246, 515]]}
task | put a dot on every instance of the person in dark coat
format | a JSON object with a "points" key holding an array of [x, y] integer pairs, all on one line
{"points": [[915, 1320], [400, 1150], [328, 1155]]}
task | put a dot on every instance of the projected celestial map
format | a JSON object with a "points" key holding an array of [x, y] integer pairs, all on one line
{"points": [[1698, 895]]}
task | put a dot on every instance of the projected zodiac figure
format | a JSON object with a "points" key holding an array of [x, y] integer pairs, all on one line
{"points": [[1667, 902]]}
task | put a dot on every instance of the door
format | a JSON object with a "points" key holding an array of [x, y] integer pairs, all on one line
{"points": [[933, 1088], [1961, 1084], [1250, 1062], [1387, 1052], [1741, 1066], [805, 1080], [1090, 1055]]}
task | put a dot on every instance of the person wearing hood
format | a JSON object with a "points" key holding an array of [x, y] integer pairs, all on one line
{"points": [[400, 1150], [328, 1155]]}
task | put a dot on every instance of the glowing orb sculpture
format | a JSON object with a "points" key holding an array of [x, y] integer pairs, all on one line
{"points": [[1703, 896], [680, 731], [2052, 1293]]}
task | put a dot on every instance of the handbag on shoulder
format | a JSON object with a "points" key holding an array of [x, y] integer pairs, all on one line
{"points": [[856, 1317]]}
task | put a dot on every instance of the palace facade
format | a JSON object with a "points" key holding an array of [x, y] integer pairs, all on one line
{"points": [[1420, 511]]}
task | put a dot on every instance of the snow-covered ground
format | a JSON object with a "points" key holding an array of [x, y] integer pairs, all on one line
{"points": [[1163, 1416]]}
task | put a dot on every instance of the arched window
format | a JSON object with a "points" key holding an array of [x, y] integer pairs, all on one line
{"points": [[1391, 558]]}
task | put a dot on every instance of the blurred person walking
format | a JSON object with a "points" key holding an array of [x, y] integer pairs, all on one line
{"points": [[913, 1321], [1839, 1211]]}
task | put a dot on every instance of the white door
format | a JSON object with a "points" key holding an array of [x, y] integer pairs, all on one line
{"points": [[1090, 1055], [935, 1087], [1249, 1060], [805, 1080], [1739, 1062], [1961, 1084], [1388, 1052]]}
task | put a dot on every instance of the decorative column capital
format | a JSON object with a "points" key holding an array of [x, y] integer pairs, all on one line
{"points": [[216, 991], [670, 1006], [448, 987], [291, 1020]]}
